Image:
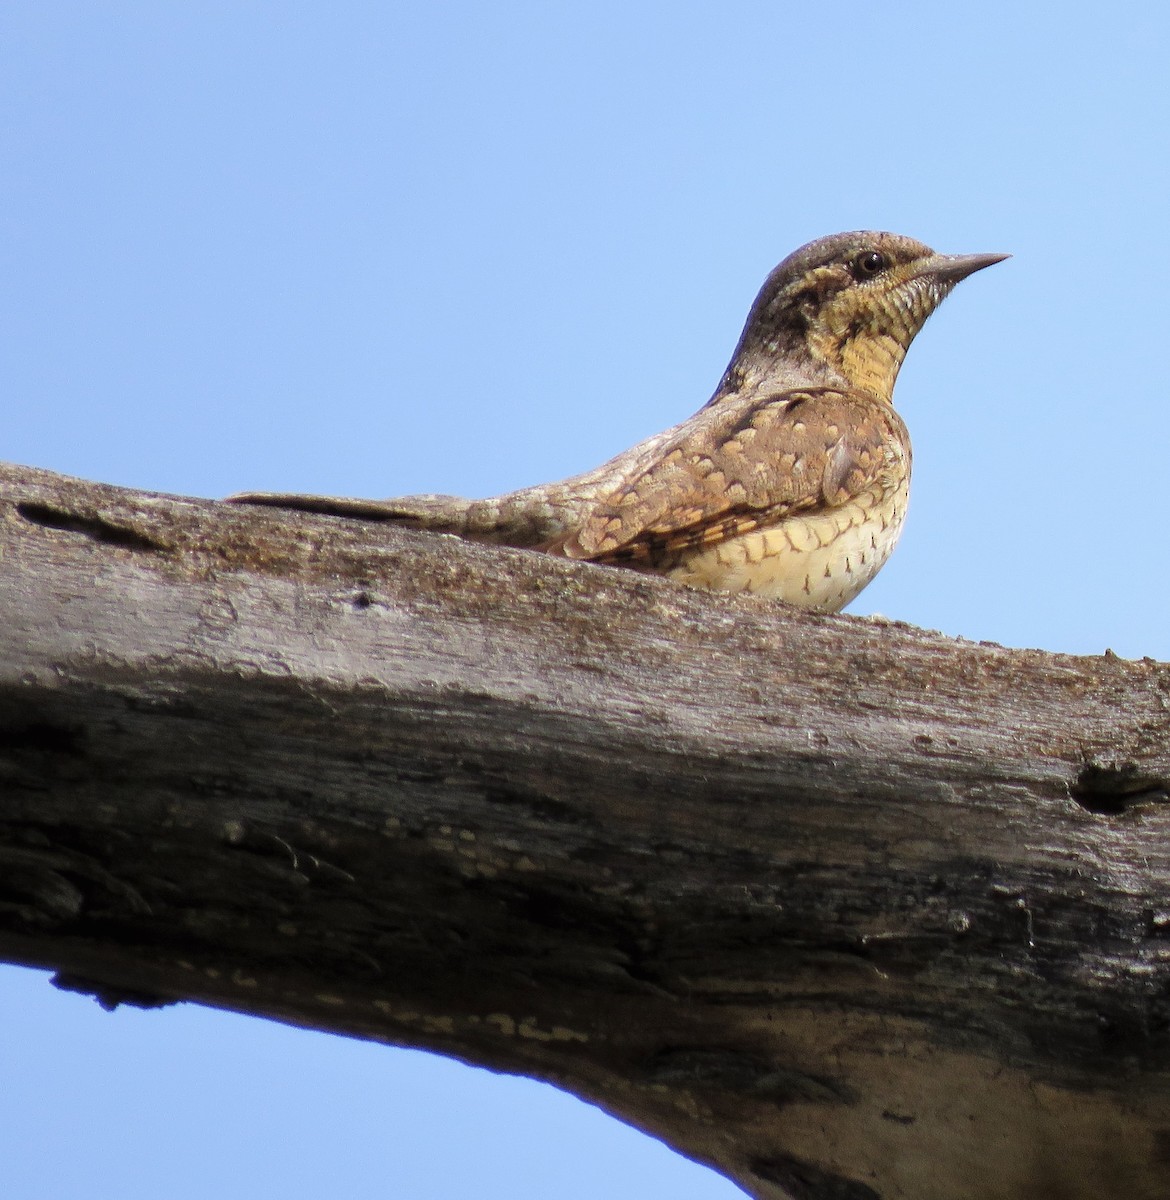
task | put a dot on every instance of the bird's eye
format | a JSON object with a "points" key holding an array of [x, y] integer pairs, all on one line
{"points": [[869, 264]]}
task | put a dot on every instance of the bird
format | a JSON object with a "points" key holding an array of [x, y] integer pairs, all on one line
{"points": [[791, 482]]}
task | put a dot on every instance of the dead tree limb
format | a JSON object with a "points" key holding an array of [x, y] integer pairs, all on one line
{"points": [[845, 909]]}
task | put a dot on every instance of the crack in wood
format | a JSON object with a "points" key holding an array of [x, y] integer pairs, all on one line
{"points": [[91, 525], [1110, 789]]}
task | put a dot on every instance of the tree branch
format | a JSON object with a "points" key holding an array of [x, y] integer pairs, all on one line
{"points": [[845, 909]]}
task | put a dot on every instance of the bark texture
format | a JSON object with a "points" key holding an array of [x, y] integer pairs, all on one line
{"points": [[848, 910]]}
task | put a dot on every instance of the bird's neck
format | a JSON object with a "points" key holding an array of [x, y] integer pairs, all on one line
{"points": [[820, 359]]}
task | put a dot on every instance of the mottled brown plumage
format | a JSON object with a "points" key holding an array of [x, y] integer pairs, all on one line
{"points": [[791, 481]]}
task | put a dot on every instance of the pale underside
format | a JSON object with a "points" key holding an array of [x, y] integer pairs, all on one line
{"points": [[821, 560]]}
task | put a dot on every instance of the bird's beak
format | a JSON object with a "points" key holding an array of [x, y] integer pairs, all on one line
{"points": [[950, 268]]}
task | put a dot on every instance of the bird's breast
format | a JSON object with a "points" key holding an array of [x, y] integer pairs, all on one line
{"points": [[821, 560]]}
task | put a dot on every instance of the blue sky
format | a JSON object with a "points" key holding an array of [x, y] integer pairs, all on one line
{"points": [[371, 249]]}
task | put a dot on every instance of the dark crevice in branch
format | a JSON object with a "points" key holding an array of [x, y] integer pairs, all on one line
{"points": [[90, 525]]}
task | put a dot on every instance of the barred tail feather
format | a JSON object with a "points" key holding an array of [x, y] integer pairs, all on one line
{"points": [[444, 514], [535, 518]]}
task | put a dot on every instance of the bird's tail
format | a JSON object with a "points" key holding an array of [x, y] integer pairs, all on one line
{"points": [[443, 514], [535, 518]]}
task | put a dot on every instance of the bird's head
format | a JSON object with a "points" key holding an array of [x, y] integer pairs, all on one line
{"points": [[844, 309]]}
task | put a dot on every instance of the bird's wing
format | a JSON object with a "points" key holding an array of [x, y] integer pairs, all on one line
{"points": [[743, 467]]}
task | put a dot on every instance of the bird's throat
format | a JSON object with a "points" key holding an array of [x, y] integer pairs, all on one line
{"points": [[866, 361]]}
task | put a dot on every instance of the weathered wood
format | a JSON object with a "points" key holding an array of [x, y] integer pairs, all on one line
{"points": [[843, 908]]}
